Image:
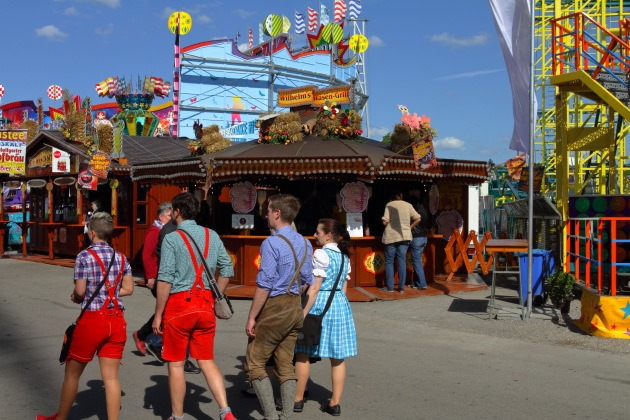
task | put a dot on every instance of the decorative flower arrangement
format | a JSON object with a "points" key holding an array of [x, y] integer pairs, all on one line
{"points": [[413, 128], [420, 127], [196, 148], [332, 122], [284, 128], [273, 136]]}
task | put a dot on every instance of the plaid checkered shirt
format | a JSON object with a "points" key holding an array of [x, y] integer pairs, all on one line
{"points": [[87, 268]]}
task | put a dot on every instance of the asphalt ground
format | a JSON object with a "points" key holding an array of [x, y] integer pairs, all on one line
{"points": [[437, 357]]}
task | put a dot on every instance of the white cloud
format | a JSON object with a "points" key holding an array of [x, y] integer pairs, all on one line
{"points": [[449, 39], [376, 41], [71, 11], [109, 3], [449, 143], [202, 19], [377, 133], [242, 13], [105, 30], [51, 32], [468, 74]]}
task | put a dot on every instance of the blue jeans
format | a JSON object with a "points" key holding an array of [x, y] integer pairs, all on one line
{"points": [[417, 247], [398, 250]]}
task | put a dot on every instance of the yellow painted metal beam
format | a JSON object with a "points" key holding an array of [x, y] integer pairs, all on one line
{"points": [[590, 138], [584, 84]]}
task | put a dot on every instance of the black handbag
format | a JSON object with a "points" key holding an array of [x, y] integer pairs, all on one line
{"points": [[222, 305], [67, 336], [311, 332]]}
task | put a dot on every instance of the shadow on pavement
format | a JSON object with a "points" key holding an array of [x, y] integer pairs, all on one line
{"points": [[156, 398]]}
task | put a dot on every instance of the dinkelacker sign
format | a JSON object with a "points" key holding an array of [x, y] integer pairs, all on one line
{"points": [[310, 95]]}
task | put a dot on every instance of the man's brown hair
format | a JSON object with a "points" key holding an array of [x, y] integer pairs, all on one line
{"points": [[288, 205]]}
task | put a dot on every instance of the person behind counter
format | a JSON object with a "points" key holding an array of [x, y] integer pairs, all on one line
{"points": [[399, 218], [418, 242], [95, 206]]}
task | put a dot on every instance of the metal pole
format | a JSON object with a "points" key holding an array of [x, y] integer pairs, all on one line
{"points": [[530, 195], [176, 86]]}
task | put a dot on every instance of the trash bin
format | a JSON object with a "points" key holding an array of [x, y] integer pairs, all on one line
{"points": [[543, 265]]}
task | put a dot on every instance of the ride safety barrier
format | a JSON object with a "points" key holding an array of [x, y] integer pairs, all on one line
{"points": [[579, 43], [596, 245]]}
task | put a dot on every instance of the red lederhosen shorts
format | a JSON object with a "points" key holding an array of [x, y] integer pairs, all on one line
{"points": [[99, 332], [189, 320]]}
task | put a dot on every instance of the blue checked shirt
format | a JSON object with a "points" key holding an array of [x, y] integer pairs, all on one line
{"points": [[277, 264], [176, 265], [87, 268]]}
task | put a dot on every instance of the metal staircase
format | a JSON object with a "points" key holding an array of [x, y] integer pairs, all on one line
{"points": [[590, 63]]}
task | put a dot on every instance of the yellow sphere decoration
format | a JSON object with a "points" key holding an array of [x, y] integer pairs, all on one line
{"points": [[332, 33], [286, 24], [358, 43], [185, 22], [273, 25]]}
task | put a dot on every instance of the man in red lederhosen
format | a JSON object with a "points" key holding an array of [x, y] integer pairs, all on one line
{"points": [[184, 312]]}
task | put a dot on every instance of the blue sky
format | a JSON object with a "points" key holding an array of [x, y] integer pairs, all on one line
{"points": [[438, 59]]}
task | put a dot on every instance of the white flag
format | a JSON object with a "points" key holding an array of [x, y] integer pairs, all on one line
{"points": [[324, 16], [513, 20]]}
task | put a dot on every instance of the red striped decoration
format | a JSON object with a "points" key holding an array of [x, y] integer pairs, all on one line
{"points": [[312, 19], [340, 11]]}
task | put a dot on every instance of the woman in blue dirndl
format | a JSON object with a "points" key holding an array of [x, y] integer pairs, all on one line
{"points": [[338, 338]]}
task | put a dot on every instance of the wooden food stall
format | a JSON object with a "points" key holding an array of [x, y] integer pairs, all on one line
{"points": [[151, 170], [323, 173]]}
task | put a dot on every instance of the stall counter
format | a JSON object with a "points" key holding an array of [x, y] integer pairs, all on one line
{"points": [[368, 259]]}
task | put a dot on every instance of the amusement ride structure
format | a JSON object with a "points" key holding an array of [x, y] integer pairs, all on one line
{"points": [[580, 75], [581, 78], [232, 87]]}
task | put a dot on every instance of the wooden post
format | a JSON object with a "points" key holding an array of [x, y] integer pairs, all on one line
{"points": [[51, 206]]}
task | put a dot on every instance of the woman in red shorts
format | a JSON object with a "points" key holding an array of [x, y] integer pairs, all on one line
{"points": [[102, 329]]}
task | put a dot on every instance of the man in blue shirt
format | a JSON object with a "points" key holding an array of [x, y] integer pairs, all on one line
{"points": [[275, 315]]}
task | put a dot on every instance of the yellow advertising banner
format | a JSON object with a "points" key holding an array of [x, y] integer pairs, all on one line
{"points": [[13, 152], [310, 95], [99, 164], [295, 97], [339, 94]]}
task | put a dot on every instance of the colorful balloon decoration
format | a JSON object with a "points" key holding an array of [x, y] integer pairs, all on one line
{"points": [[332, 33], [54, 92], [358, 43], [185, 22], [286, 24], [273, 25], [1, 90]]}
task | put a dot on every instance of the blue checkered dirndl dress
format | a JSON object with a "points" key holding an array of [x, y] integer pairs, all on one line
{"points": [[339, 337]]}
